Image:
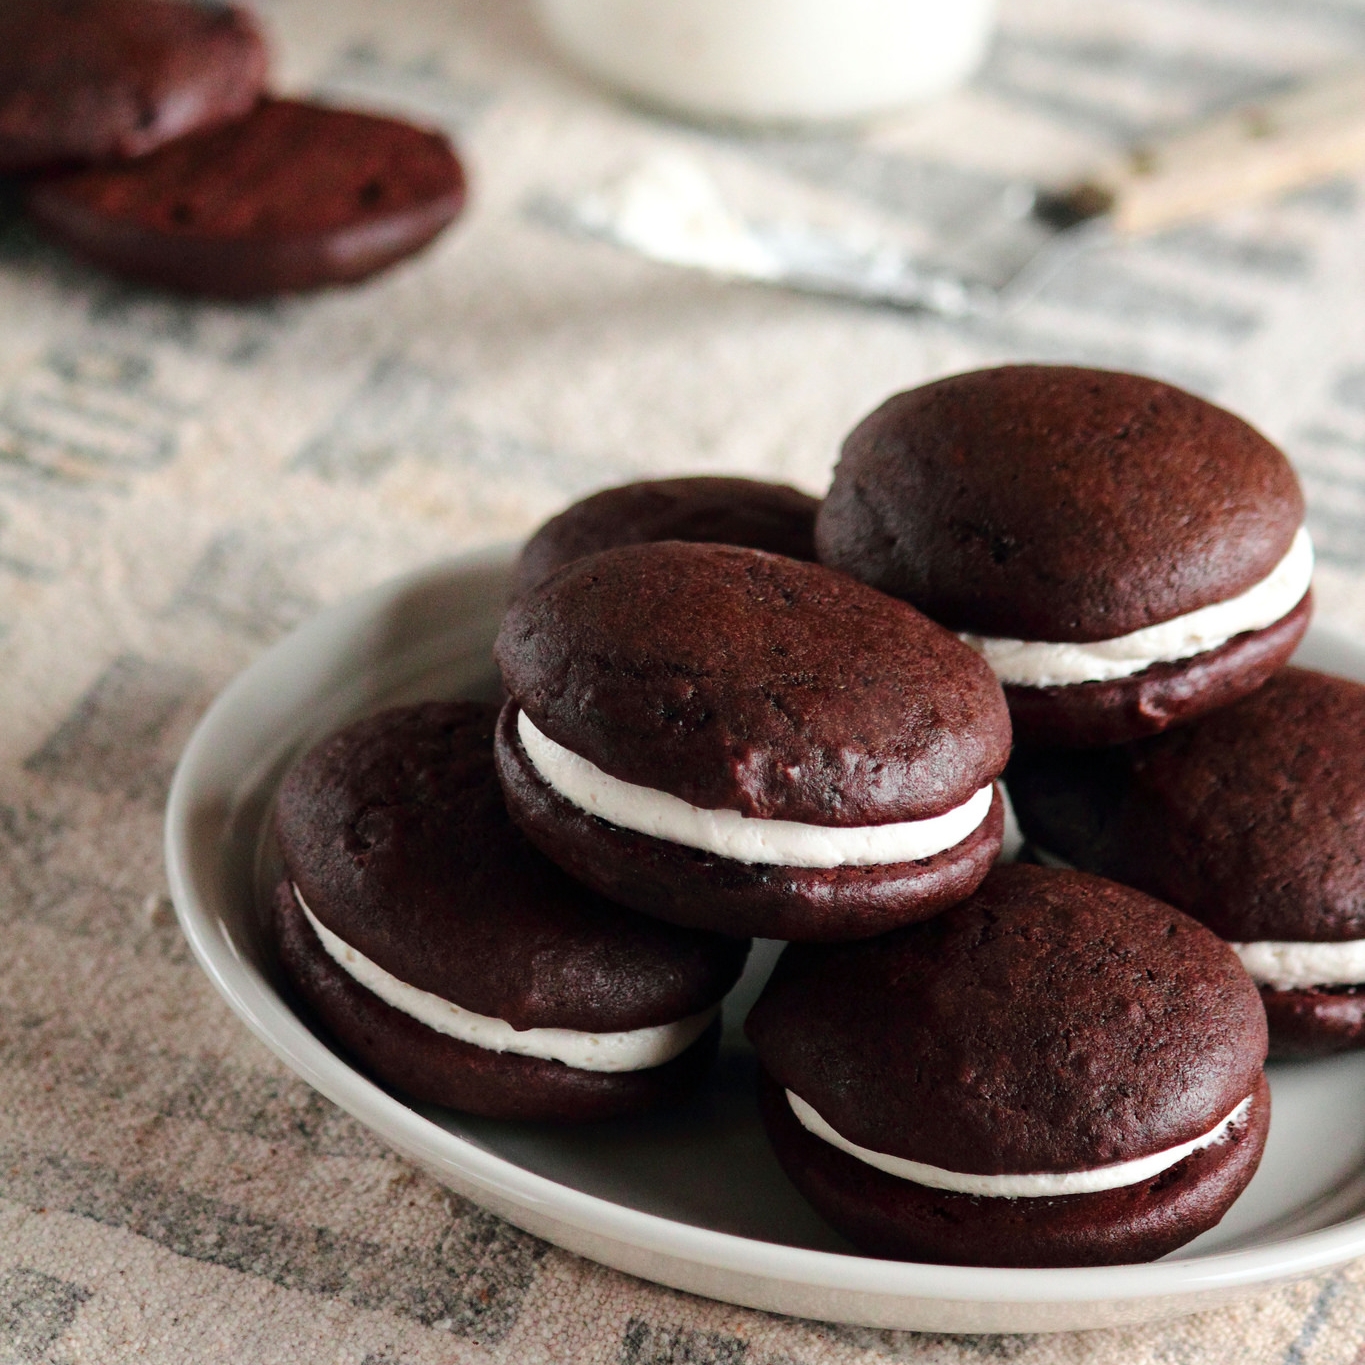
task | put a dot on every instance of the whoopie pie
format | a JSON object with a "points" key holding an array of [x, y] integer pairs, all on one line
{"points": [[747, 743], [1126, 555], [1059, 1071], [764, 516], [458, 965], [1253, 821]]}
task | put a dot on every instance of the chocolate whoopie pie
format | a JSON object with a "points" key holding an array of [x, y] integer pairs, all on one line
{"points": [[95, 80], [458, 965], [1060, 1071], [1253, 821], [747, 743], [1126, 555], [292, 197], [763, 516]]}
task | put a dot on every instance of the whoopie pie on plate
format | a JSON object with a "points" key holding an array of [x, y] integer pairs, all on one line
{"points": [[457, 964], [1253, 821], [764, 516], [1127, 556], [747, 743], [99, 80], [1059, 1071]]}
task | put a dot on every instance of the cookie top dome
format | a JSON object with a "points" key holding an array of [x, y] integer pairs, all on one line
{"points": [[1045, 502], [1051, 1022], [736, 679], [763, 516], [293, 196], [90, 80]]}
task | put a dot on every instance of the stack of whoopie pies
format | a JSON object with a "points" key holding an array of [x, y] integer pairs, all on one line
{"points": [[147, 143], [732, 713]]}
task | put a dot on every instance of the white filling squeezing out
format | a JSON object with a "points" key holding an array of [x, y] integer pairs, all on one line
{"points": [[1039, 663], [1038, 1185], [784, 843], [631, 1050]]}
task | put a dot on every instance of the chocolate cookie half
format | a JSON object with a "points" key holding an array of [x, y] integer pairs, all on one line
{"points": [[1253, 821], [746, 743], [292, 197], [1059, 1071], [764, 516], [95, 80], [1127, 556], [458, 965]]}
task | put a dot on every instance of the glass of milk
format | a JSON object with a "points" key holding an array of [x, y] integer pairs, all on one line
{"points": [[774, 61]]}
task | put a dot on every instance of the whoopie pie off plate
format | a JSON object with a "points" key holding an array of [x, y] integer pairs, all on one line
{"points": [[292, 197], [97, 80], [644, 1196], [726, 511]]}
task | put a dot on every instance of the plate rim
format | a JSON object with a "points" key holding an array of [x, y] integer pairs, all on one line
{"points": [[511, 1188]]}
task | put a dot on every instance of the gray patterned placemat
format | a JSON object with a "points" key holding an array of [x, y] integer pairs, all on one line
{"points": [[180, 484]]}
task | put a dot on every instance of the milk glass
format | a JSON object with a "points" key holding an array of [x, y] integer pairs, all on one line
{"points": [[774, 61]]}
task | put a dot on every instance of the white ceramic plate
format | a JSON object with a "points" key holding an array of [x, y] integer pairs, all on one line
{"points": [[692, 1200]]}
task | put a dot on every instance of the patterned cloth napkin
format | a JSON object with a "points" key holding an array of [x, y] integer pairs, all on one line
{"points": [[180, 484]]}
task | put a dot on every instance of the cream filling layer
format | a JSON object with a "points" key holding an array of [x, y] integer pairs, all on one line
{"points": [[1040, 663], [783, 843], [1040, 1185], [632, 1050], [1291, 966]]}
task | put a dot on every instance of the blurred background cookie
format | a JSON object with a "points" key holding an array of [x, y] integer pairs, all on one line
{"points": [[291, 197], [98, 80]]}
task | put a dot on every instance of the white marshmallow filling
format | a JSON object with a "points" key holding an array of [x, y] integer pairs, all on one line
{"points": [[1041, 663], [631, 1050], [1283, 965], [1038, 1185], [783, 843], [1292, 966]]}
